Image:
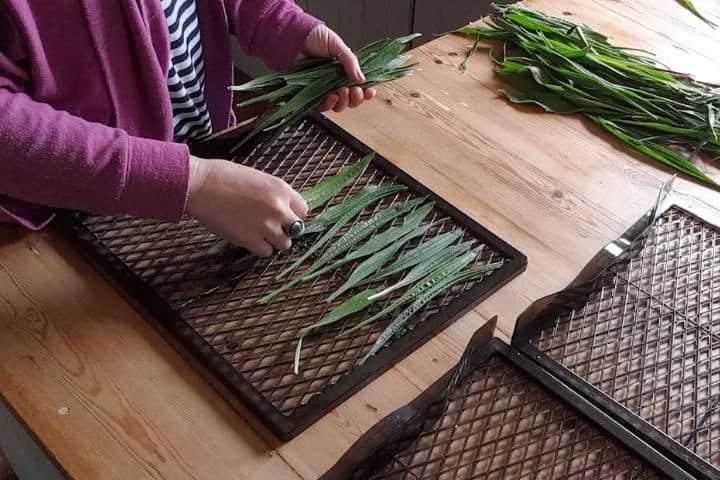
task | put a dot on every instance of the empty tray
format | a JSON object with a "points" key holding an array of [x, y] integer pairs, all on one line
{"points": [[639, 335], [497, 415]]}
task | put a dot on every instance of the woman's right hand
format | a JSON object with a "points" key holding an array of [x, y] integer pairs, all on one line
{"points": [[245, 206]]}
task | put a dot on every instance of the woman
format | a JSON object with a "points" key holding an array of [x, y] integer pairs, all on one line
{"points": [[98, 96]]}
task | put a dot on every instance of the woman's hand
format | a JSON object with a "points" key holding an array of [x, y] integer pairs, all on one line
{"points": [[245, 206], [323, 42]]}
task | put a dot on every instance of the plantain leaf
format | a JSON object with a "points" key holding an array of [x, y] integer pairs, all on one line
{"points": [[352, 305], [361, 231], [423, 299], [428, 249], [327, 188], [691, 6], [428, 266], [366, 196], [347, 212], [421, 286], [376, 261], [392, 234], [658, 152]]}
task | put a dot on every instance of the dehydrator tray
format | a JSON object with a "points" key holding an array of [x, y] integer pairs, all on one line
{"points": [[498, 415], [638, 333], [208, 300]]}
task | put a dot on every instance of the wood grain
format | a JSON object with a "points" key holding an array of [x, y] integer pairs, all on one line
{"points": [[108, 396], [111, 399]]}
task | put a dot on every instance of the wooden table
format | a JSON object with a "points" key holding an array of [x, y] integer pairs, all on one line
{"points": [[109, 398]]}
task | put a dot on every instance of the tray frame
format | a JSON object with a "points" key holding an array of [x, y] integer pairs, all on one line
{"points": [[540, 316], [372, 447], [287, 427]]}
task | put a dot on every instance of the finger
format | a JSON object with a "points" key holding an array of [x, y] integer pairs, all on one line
{"points": [[370, 93], [356, 97], [329, 102], [350, 64], [344, 99], [278, 239], [298, 206], [259, 247]]}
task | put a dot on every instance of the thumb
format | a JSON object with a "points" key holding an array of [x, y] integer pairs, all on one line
{"points": [[347, 59]]}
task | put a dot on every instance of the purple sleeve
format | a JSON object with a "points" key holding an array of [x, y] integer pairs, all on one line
{"points": [[274, 30], [52, 158]]}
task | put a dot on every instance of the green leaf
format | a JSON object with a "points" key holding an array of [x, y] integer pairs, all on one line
{"points": [[360, 232], [566, 68], [376, 261], [653, 150], [691, 6], [328, 187], [347, 212], [366, 196], [423, 299], [381, 240], [428, 249], [429, 265], [376, 243], [350, 306], [421, 286]]}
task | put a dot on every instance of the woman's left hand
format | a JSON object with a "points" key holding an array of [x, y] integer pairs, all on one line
{"points": [[323, 42]]}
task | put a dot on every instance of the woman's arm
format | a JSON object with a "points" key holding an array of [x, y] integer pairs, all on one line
{"points": [[274, 30], [50, 157]]}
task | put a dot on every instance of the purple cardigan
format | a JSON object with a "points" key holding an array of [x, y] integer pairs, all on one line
{"points": [[86, 117]]}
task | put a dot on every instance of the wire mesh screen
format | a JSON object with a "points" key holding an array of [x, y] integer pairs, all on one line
{"points": [[250, 345], [646, 335], [498, 422]]}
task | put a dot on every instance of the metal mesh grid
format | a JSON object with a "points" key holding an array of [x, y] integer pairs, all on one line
{"points": [[500, 423], [216, 295], [647, 335]]}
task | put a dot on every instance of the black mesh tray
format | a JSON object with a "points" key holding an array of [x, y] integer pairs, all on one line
{"points": [[639, 335], [497, 415], [208, 300]]}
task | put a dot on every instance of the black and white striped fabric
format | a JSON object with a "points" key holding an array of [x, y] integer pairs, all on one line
{"points": [[186, 76]]}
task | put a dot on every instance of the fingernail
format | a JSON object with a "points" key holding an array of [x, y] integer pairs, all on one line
{"points": [[359, 74]]}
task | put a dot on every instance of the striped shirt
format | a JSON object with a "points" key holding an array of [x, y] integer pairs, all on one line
{"points": [[186, 75]]}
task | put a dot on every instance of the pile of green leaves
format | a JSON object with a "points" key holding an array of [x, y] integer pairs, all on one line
{"points": [[304, 86], [568, 68]]}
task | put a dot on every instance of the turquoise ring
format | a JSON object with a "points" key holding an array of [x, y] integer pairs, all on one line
{"points": [[296, 229]]}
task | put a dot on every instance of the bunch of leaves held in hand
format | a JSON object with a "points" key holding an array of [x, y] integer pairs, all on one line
{"points": [[304, 86], [569, 68]]}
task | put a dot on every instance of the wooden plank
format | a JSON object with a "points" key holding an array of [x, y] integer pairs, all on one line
{"points": [[106, 394]]}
